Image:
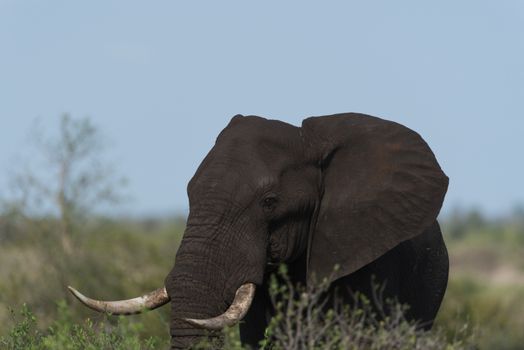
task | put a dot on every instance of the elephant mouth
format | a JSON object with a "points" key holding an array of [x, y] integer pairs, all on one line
{"points": [[276, 251], [281, 246]]}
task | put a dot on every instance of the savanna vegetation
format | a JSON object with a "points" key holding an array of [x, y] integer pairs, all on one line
{"points": [[51, 236]]}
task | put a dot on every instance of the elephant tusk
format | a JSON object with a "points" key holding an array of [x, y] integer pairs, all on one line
{"points": [[136, 305], [236, 311]]}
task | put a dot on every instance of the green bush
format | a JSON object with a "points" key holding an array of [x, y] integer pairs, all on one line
{"points": [[67, 335], [302, 323]]}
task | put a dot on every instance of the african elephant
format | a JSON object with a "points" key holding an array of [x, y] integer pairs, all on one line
{"points": [[349, 189]]}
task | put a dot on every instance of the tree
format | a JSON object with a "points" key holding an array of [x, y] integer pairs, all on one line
{"points": [[66, 176]]}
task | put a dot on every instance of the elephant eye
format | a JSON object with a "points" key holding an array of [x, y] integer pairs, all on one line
{"points": [[269, 203]]}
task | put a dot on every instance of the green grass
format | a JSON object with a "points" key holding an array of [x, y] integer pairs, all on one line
{"points": [[112, 259], [486, 287]]}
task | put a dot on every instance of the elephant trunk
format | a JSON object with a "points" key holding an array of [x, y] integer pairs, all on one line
{"points": [[210, 286]]}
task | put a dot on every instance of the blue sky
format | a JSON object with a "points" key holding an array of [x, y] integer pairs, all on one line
{"points": [[161, 79]]}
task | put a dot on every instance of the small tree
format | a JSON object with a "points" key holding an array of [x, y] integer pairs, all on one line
{"points": [[67, 176]]}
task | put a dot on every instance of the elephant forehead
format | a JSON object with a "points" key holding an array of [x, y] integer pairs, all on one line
{"points": [[255, 130], [258, 157], [231, 173]]}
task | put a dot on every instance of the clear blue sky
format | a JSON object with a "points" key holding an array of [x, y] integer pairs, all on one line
{"points": [[162, 78]]}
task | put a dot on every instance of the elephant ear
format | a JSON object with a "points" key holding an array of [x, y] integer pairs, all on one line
{"points": [[381, 185]]}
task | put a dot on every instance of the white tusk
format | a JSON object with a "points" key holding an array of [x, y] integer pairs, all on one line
{"points": [[238, 309], [137, 305]]}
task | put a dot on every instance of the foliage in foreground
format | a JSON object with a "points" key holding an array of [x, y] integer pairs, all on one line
{"points": [[65, 334], [302, 322]]}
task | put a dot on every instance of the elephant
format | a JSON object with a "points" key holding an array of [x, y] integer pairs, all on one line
{"points": [[348, 190]]}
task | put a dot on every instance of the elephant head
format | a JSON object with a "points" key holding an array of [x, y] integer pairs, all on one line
{"points": [[339, 190]]}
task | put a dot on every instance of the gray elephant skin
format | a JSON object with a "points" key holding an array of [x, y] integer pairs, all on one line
{"points": [[347, 190]]}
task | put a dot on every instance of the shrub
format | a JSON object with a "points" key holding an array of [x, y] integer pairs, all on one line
{"points": [[65, 334], [301, 322]]}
